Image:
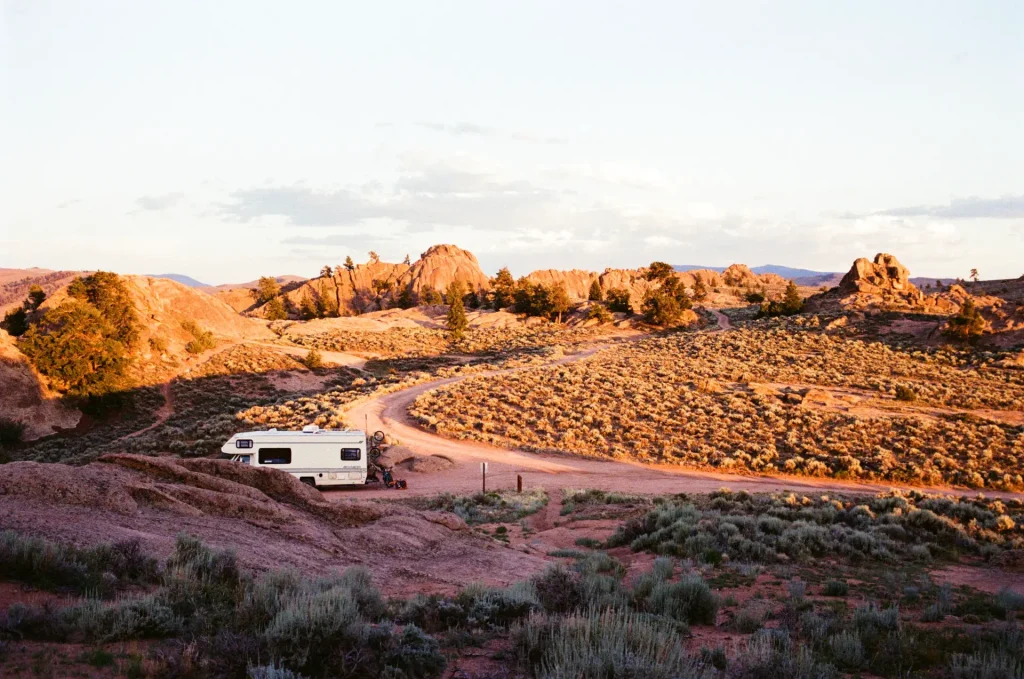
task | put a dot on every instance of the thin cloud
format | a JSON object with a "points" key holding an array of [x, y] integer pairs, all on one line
{"points": [[1006, 207], [159, 202], [473, 129]]}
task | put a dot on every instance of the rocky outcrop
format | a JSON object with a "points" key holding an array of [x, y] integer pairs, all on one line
{"points": [[883, 283], [577, 282], [361, 289], [440, 266], [884, 275], [376, 285]]}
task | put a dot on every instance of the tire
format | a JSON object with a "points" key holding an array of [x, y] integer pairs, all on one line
{"points": [[378, 436], [374, 453], [309, 481]]}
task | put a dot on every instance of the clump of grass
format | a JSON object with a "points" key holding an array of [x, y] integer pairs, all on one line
{"points": [[501, 506], [836, 588]]}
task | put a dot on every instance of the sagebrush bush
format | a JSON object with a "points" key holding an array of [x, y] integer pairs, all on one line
{"points": [[596, 644], [59, 566]]}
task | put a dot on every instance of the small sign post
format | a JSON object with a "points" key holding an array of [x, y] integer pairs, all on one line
{"points": [[483, 475]]}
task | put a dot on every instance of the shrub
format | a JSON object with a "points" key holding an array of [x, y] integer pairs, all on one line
{"points": [[836, 588], [313, 359], [749, 620], [54, 566], [847, 650], [11, 431], [599, 312], [967, 325], [78, 349], [272, 672], [690, 600], [596, 294], [982, 665], [618, 300], [755, 297], [771, 654], [558, 590], [604, 644], [904, 393], [202, 340], [15, 322]]}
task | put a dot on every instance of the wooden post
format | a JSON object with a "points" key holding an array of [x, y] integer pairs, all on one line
{"points": [[483, 475], [519, 483]]}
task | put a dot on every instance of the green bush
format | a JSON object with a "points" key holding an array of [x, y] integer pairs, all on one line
{"points": [[600, 313], [15, 322], [314, 359], [690, 600], [11, 431], [202, 340], [835, 588]]}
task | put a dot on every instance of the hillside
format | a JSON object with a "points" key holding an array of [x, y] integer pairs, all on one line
{"points": [[26, 398], [163, 306], [15, 284]]}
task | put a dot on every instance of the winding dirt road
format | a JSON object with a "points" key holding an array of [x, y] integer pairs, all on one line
{"points": [[556, 471]]}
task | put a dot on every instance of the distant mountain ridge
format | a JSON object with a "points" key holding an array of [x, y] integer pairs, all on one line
{"points": [[180, 278], [777, 269], [807, 277]]}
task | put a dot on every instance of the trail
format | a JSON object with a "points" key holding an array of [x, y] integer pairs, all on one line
{"points": [[163, 413], [553, 471], [723, 321]]}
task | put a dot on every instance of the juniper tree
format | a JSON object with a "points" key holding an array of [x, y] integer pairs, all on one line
{"points": [[456, 321], [559, 299], [504, 288]]}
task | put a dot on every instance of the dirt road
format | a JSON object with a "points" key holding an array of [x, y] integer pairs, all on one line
{"points": [[554, 471]]}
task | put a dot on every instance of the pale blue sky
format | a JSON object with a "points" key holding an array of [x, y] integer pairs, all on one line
{"points": [[225, 140]]}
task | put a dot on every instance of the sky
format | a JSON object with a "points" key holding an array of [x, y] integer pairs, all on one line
{"points": [[232, 139]]}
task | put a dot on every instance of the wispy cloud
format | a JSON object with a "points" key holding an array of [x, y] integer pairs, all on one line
{"points": [[473, 129], [159, 202], [1006, 207]]}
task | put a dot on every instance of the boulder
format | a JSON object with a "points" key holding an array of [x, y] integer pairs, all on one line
{"points": [[885, 273]]}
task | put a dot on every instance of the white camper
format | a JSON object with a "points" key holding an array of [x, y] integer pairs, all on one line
{"points": [[318, 457]]}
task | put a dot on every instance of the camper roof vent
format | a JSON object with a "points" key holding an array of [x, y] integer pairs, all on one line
{"points": [[310, 429]]}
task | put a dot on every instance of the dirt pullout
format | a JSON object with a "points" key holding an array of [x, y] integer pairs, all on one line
{"points": [[266, 516]]}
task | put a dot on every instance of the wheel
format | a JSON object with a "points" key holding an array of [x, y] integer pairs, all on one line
{"points": [[309, 481], [378, 436], [374, 453]]}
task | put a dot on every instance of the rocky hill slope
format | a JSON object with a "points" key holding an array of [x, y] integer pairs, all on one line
{"points": [[266, 516]]}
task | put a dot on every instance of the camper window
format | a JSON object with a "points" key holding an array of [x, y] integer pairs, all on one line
{"points": [[350, 454], [275, 455]]}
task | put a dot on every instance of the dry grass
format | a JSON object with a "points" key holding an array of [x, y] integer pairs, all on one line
{"points": [[710, 401], [417, 342]]}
